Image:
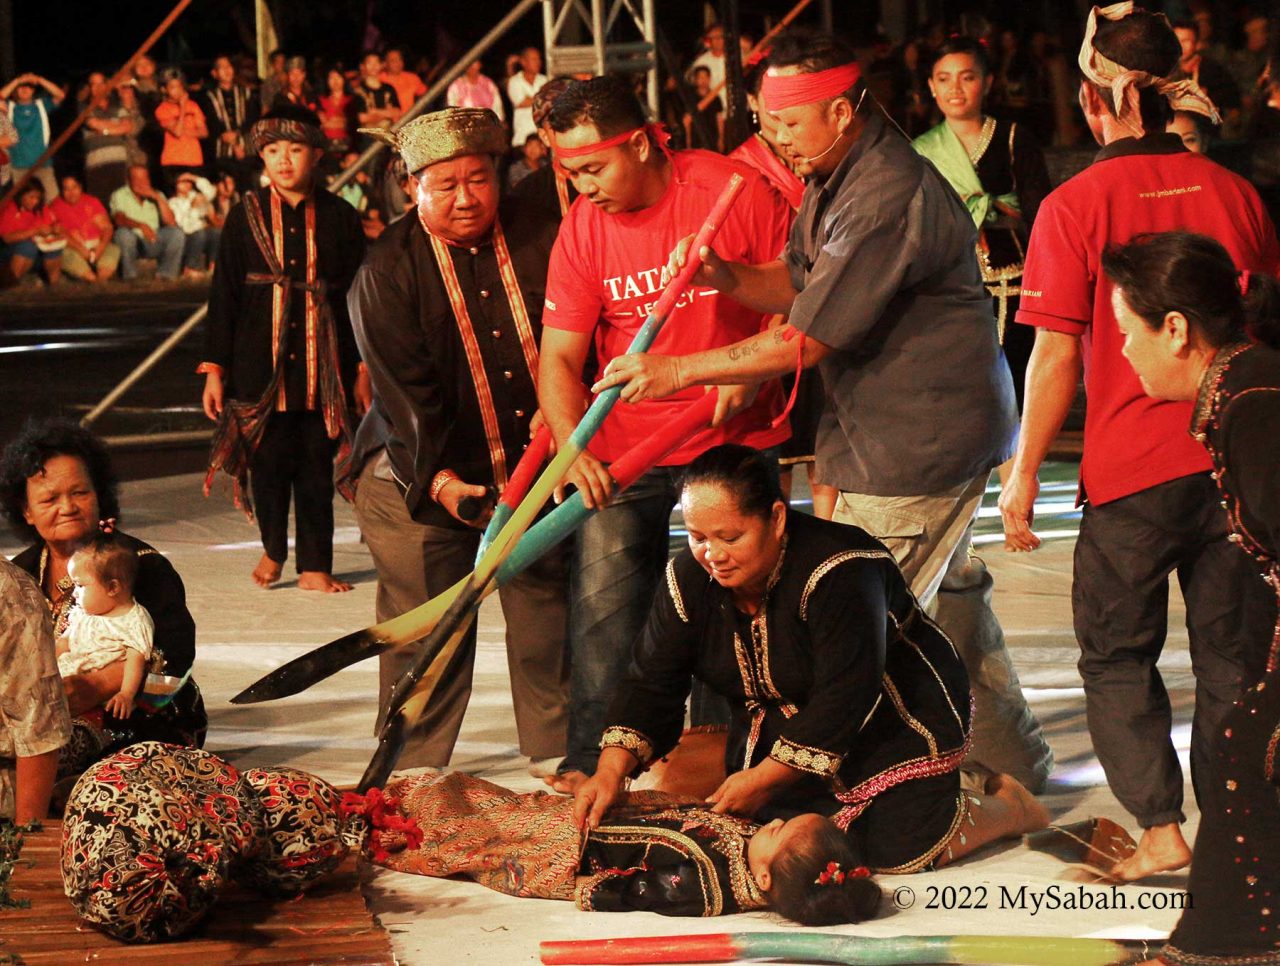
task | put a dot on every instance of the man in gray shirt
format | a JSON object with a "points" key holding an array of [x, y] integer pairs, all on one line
{"points": [[883, 293], [110, 140]]}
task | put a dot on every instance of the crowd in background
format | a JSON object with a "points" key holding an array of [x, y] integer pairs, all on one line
{"points": [[162, 158]]}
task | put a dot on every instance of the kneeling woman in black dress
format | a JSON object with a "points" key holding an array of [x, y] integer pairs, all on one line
{"points": [[847, 700], [1197, 330]]}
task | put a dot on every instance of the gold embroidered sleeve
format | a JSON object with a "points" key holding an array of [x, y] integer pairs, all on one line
{"points": [[673, 588], [633, 741], [803, 758], [830, 564]]}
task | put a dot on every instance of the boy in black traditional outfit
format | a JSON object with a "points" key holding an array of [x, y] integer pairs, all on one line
{"points": [[280, 357]]}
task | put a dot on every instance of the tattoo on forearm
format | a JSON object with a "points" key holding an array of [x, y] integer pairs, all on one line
{"points": [[747, 349]]}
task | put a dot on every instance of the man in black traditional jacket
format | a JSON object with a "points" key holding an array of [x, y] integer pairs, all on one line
{"points": [[447, 311], [280, 358], [230, 109]]}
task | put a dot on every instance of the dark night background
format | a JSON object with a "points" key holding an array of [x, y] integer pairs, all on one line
{"points": [[66, 40], [104, 34]]}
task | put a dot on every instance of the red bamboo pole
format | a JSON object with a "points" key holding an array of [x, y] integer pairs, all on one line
{"points": [[711, 948]]}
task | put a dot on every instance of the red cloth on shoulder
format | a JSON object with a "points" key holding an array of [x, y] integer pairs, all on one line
{"points": [[754, 152]]}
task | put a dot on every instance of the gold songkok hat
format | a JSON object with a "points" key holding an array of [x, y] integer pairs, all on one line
{"points": [[445, 135]]}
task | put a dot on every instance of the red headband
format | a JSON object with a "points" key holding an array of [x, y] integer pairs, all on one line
{"points": [[795, 89], [656, 131]]}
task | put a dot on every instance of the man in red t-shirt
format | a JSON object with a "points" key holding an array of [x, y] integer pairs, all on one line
{"points": [[90, 255], [1149, 504], [604, 278]]}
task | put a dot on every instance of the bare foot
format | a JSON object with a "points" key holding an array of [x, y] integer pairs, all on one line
{"points": [[1161, 849], [267, 572], [1033, 815], [319, 580], [544, 767], [566, 782]]}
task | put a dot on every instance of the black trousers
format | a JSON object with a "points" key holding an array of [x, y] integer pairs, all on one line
{"points": [[1019, 340], [295, 457], [1124, 556]]}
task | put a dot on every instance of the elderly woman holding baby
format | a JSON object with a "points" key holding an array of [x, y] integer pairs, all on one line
{"points": [[60, 491]]}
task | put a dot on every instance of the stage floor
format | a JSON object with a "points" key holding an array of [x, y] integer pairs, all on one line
{"points": [[244, 631]]}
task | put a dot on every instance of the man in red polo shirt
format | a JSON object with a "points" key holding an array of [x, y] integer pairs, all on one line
{"points": [[605, 275], [1150, 507]]}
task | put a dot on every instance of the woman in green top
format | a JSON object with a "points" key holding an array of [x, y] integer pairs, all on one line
{"points": [[998, 170]]}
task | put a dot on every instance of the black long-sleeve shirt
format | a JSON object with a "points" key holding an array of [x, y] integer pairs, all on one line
{"points": [[843, 672], [235, 109], [1239, 424], [1014, 164], [426, 409], [238, 330]]}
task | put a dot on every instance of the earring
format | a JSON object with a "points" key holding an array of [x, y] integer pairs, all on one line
{"points": [[755, 119]]}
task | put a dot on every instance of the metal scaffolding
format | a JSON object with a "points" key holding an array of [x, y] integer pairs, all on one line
{"points": [[614, 43]]}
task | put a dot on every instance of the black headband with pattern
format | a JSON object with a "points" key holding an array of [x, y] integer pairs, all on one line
{"points": [[272, 129]]}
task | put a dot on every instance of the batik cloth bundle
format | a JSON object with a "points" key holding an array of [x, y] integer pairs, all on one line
{"points": [[152, 835]]}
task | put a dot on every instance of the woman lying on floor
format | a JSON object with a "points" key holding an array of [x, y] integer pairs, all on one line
{"points": [[654, 852], [851, 718]]}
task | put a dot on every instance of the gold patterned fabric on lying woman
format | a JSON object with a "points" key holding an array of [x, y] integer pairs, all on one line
{"points": [[658, 852]]}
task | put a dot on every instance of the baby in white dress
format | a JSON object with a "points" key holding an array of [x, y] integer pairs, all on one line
{"points": [[107, 625]]}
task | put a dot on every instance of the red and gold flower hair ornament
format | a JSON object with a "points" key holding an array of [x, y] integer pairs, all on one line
{"points": [[834, 875]]}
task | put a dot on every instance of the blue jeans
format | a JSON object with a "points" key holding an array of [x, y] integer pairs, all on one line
{"points": [[200, 248], [28, 249], [166, 250], [618, 562]]}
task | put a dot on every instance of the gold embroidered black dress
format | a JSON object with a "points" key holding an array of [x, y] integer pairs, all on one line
{"points": [[840, 675], [1233, 913]]}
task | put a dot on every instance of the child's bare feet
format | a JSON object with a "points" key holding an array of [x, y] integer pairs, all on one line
{"points": [[1033, 815], [1161, 849], [566, 782], [321, 581], [267, 572]]}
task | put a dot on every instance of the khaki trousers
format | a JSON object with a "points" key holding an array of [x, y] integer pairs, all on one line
{"points": [[932, 539], [416, 562], [75, 265]]}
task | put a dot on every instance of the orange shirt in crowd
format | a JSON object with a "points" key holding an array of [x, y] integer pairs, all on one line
{"points": [[184, 151], [408, 87]]}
